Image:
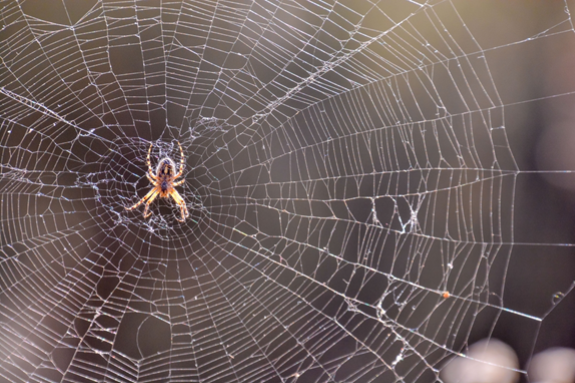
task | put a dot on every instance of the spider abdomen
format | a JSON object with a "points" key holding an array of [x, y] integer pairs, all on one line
{"points": [[165, 173]]}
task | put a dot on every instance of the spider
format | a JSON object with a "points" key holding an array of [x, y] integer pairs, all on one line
{"points": [[163, 182]]}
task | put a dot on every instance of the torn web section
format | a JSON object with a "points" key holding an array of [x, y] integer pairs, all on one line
{"points": [[360, 225], [388, 197]]}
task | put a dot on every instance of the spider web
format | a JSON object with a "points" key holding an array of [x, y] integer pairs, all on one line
{"points": [[348, 175]]}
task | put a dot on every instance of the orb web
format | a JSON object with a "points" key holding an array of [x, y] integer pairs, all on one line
{"points": [[348, 175]]}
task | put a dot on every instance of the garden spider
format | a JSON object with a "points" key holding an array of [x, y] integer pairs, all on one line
{"points": [[163, 182]]}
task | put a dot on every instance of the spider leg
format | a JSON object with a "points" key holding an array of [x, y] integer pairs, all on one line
{"points": [[150, 193], [153, 180], [150, 172], [181, 203], [181, 170], [152, 198], [152, 176], [179, 182]]}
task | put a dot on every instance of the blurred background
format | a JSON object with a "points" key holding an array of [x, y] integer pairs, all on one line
{"points": [[376, 190]]}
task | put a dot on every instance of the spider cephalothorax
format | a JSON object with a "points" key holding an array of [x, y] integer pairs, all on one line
{"points": [[163, 184]]}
